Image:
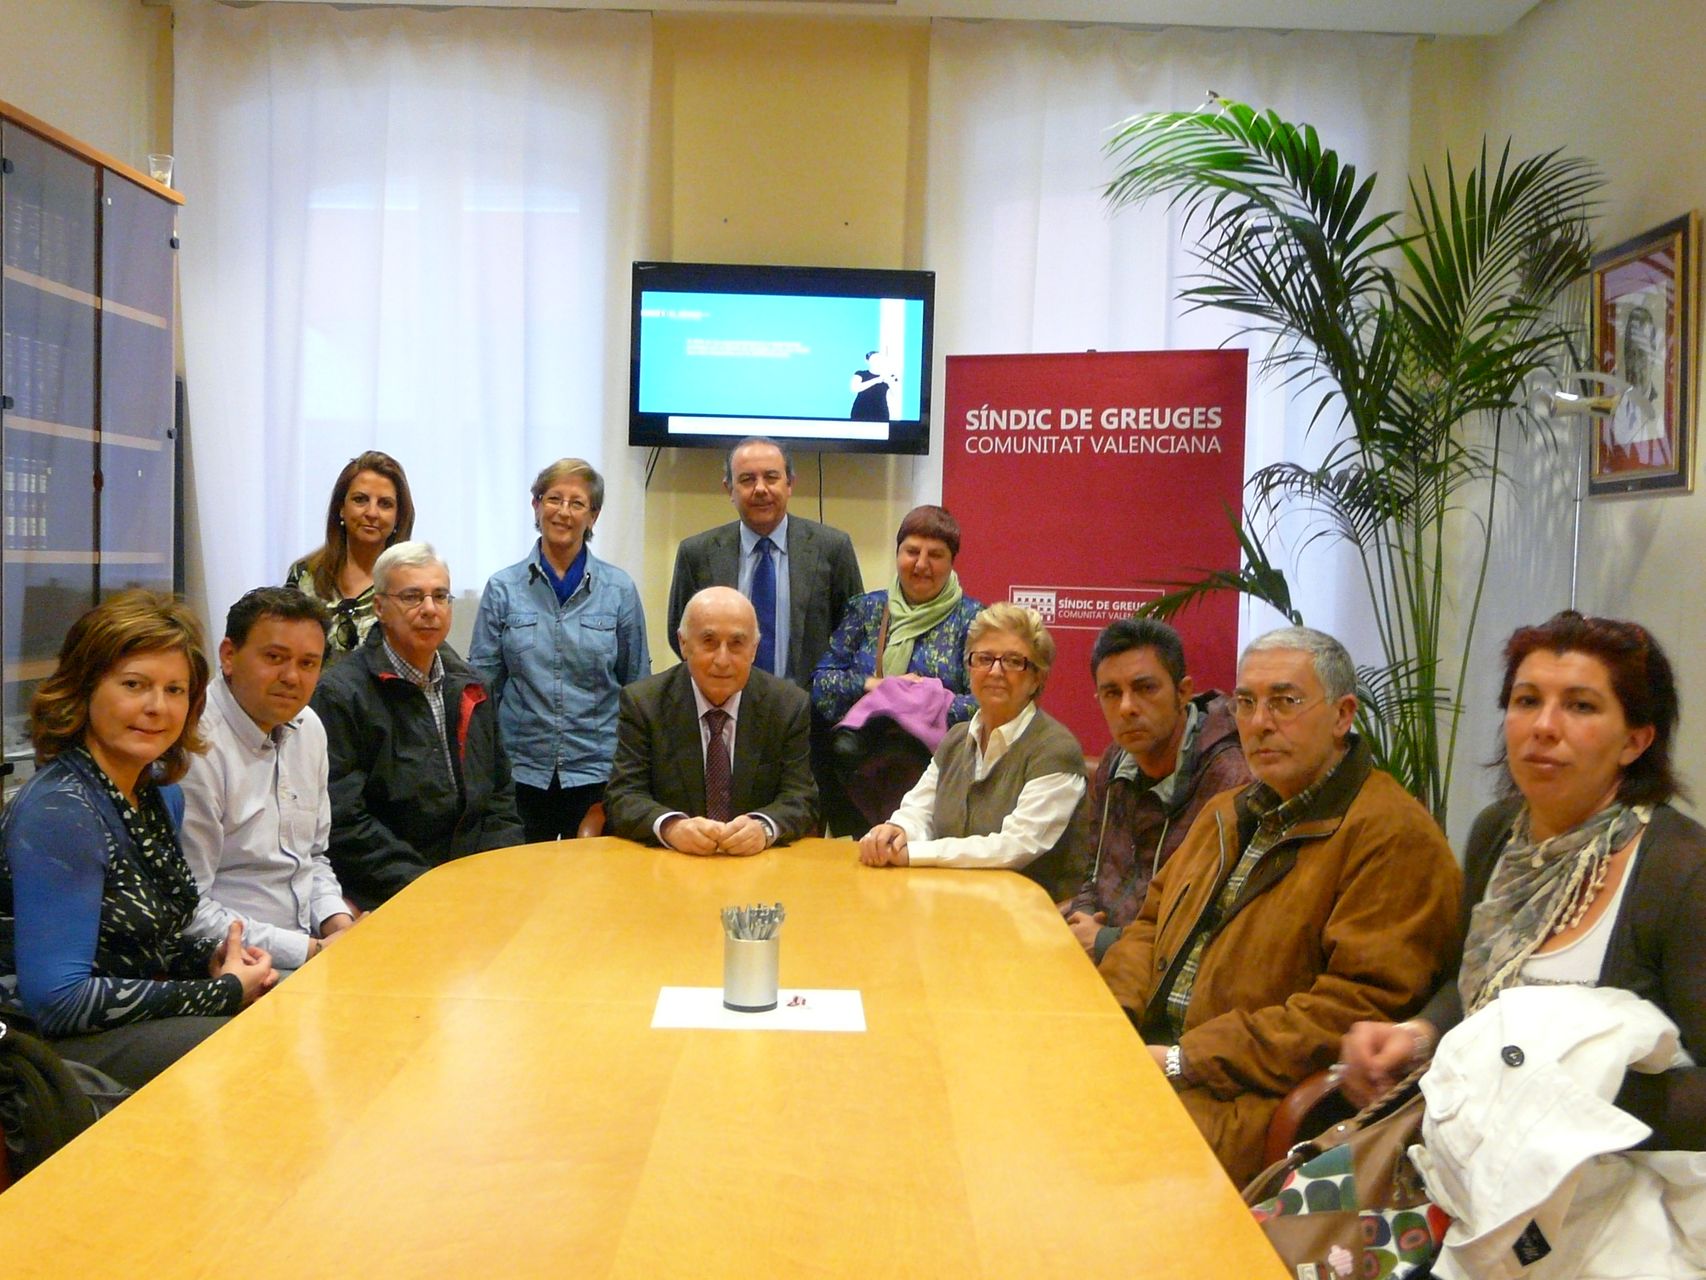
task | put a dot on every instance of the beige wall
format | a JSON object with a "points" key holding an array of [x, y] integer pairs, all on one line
{"points": [[756, 121], [101, 70], [1618, 84], [793, 141]]}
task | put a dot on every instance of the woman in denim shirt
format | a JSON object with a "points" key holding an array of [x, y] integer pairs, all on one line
{"points": [[557, 636]]}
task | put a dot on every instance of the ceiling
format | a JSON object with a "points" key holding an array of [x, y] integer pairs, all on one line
{"points": [[1413, 17]]}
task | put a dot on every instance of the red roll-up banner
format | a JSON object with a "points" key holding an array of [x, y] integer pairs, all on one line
{"points": [[1081, 481]]}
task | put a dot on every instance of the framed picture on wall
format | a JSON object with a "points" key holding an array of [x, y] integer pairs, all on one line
{"points": [[1644, 307]]}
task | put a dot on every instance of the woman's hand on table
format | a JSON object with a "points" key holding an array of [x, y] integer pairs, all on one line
{"points": [[884, 845], [251, 965]]}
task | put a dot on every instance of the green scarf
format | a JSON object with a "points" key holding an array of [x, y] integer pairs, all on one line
{"points": [[909, 621]]}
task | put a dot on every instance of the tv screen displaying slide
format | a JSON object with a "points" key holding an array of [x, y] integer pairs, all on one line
{"points": [[823, 357]]}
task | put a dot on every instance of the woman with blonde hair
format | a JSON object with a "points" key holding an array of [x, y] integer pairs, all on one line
{"points": [[94, 889], [370, 509], [1005, 790]]}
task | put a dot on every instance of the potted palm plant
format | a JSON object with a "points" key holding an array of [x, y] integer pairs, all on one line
{"points": [[1419, 336]]}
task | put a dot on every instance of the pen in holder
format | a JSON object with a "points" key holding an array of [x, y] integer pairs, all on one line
{"points": [[751, 949]]}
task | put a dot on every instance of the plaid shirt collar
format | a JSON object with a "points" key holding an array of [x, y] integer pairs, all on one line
{"points": [[1263, 803], [413, 674]]}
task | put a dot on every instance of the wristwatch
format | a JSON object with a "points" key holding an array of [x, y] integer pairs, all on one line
{"points": [[1174, 1066]]}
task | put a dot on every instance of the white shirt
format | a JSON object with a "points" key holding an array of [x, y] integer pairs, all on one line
{"points": [[1046, 805], [257, 818], [1579, 962]]}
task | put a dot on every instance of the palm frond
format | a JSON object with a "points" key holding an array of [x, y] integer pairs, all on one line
{"points": [[1259, 578], [1398, 339]]}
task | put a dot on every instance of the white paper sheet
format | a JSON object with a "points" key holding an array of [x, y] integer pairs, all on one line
{"points": [[796, 1010]]}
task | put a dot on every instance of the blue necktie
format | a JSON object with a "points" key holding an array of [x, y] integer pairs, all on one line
{"points": [[764, 605]]}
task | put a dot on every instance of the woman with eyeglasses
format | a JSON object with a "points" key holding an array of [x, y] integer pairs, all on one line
{"points": [[557, 636], [370, 509], [1004, 791]]}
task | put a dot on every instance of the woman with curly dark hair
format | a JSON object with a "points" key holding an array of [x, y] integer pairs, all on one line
{"points": [[94, 889], [1584, 943], [370, 509]]}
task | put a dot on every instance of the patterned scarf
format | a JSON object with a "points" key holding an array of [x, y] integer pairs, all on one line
{"points": [[1533, 887], [907, 622]]}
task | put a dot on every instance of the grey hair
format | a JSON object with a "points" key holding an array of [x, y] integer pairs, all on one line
{"points": [[1332, 662], [404, 555]]}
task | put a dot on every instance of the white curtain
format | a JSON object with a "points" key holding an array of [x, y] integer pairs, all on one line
{"points": [[406, 231], [1027, 256]]}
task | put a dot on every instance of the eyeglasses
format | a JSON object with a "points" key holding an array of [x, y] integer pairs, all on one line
{"points": [[414, 597], [1279, 706], [344, 633], [1011, 663], [574, 506]]}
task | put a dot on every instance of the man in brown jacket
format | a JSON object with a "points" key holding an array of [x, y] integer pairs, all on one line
{"points": [[1295, 907]]}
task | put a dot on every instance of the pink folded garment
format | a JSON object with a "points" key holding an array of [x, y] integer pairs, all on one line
{"points": [[918, 706]]}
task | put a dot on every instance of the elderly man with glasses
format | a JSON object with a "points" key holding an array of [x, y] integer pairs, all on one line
{"points": [[418, 775], [1005, 790], [1295, 907]]}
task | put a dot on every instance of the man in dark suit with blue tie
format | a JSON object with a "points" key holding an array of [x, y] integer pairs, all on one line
{"points": [[713, 756], [799, 574]]}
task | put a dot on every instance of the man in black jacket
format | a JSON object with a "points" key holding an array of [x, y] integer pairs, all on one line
{"points": [[418, 775]]}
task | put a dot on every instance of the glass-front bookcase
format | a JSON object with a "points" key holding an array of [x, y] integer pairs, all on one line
{"points": [[87, 438]]}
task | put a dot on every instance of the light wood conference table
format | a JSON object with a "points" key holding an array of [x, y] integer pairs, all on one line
{"points": [[469, 1085]]}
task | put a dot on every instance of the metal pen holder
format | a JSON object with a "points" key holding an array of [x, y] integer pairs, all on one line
{"points": [[749, 973]]}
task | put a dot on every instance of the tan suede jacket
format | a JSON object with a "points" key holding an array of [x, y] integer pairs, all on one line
{"points": [[1353, 915]]}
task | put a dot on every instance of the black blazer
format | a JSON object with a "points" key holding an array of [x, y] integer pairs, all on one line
{"points": [[823, 575], [660, 766]]}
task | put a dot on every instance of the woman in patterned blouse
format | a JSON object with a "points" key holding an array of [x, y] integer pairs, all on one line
{"points": [[94, 890], [914, 631], [370, 510]]}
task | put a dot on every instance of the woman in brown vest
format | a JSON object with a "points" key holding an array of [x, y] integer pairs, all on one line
{"points": [[1006, 790]]}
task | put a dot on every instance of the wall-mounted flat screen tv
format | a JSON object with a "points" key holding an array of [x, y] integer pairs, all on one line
{"points": [[826, 358]]}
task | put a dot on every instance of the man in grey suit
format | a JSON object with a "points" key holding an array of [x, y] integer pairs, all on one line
{"points": [[713, 756], [802, 570]]}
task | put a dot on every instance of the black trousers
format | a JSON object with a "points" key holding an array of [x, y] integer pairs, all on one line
{"points": [[554, 812], [138, 1051]]}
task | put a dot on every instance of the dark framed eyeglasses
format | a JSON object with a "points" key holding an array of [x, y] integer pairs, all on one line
{"points": [[1011, 663]]}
